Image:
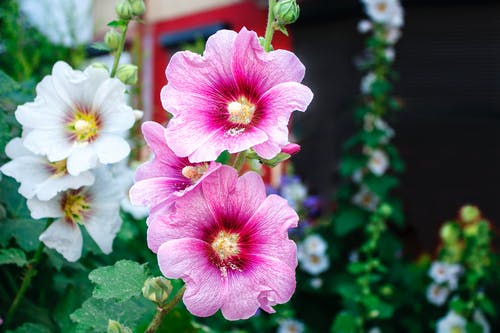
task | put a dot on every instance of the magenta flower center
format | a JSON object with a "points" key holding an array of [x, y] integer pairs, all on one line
{"points": [[194, 172], [241, 111]]}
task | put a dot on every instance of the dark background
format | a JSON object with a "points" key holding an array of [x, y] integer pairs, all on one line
{"points": [[448, 132]]}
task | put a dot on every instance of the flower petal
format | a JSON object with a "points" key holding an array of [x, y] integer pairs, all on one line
{"points": [[152, 192], [83, 158], [51, 142], [186, 259], [65, 238], [40, 209], [111, 148], [104, 229]]}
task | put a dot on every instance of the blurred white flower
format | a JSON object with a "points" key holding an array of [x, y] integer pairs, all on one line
{"points": [[364, 26], [294, 191], [392, 35], [95, 207], [442, 272], [290, 326], [38, 176], [374, 330], [378, 162], [316, 282], [357, 176], [387, 12], [313, 244], [78, 116], [313, 264], [451, 323], [381, 125], [366, 199], [367, 81], [437, 294], [479, 318], [390, 54]]}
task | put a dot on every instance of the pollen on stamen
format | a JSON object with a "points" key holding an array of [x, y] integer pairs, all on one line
{"points": [[241, 111], [194, 172]]}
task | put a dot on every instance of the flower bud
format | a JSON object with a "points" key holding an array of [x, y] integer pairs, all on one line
{"points": [[124, 10], [112, 39], [290, 149], [469, 214], [116, 327], [286, 12], [385, 210], [100, 65], [127, 73], [157, 289], [138, 7], [449, 232]]}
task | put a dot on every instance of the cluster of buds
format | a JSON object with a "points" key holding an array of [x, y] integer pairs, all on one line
{"points": [[285, 12], [157, 290], [128, 9]]}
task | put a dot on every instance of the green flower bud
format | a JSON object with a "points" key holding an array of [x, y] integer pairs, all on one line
{"points": [[471, 230], [449, 232], [127, 73], [286, 12], [157, 290], [385, 210], [138, 7], [112, 39], [469, 214], [124, 10], [116, 327]]}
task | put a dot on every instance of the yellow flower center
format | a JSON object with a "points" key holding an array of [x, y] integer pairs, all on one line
{"points": [[193, 172], [456, 329], [381, 7], [225, 245], [58, 168], [75, 206], [241, 111], [84, 126]]}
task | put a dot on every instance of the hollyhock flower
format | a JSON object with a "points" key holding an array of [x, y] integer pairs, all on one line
{"points": [[367, 82], [290, 326], [358, 175], [316, 282], [78, 116], [390, 54], [38, 176], [442, 272], [95, 207], [313, 264], [451, 323], [364, 26], [437, 294], [229, 243], [234, 97], [167, 177], [392, 35], [366, 199], [313, 244], [388, 12], [291, 149], [378, 162], [480, 319], [375, 330], [293, 190]]}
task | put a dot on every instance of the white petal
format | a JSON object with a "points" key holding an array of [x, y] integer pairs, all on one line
{"points": [[83, 158], [120, 118], [28, 170], [65, 238], [54, 185], [40, 209], [16, 148], [39, 114], [103, 230], [111, 148], [52, 143]]}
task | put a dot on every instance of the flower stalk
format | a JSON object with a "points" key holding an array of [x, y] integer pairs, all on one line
{"points": [[162, 311], [268, 37], [119, 51]]}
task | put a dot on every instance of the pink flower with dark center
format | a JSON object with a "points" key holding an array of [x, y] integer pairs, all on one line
{"points": [[234, 97], [230, 245], [167, 177]]}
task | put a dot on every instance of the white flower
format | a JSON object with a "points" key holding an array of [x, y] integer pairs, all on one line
{"points": [[367, 82], [294, 191], [357, 176], [381, 125], [364, 26], [374, 330], [78, 116], [392, 35], [390, 54], [388, 12], [314, 264], [290, 326], [378, 162], [316, 282], [437, 294], [480, 319], [38, 176], [366, 199], [313, 244], [442, 272], [95, 207], [451, 323]]}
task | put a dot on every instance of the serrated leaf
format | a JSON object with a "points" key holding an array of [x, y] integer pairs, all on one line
{"points": [[347, 220], [122, 281], [31, 328], [13, 256], [95, 313]]}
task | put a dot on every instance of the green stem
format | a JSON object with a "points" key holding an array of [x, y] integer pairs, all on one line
{"points": [[28, 276], [118, 53], [240, 160], [162, 311], [270, 26]]}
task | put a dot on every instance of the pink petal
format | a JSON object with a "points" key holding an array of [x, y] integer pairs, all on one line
{"points": [[291, 149], [267, 150], [153, 191], [267, 282], [187, 259], [262, 70]]}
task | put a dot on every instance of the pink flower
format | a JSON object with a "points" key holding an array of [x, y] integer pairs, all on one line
{"points": [[167, 177], [234, 97], [229, 243], [291, 149]]}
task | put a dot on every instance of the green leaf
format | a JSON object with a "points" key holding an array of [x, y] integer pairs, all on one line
{"points": [[472, 327], [349, 164], [224, 157], [487, 306], [122, 281], [13, 256], [95, 313], [100, 46], [348, 219], [281, 157], [24, 231], [117, 24], [345, 323], [31, 328], [381, 185]]}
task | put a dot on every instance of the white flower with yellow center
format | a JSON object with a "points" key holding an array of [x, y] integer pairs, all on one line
{"points": [[38, 176], [313, 244], [378, 162], [313, 264], [437, 294], [366, 199], [451, 323], [77, 116], [387, 12], [290, 326], [95, 207]]}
